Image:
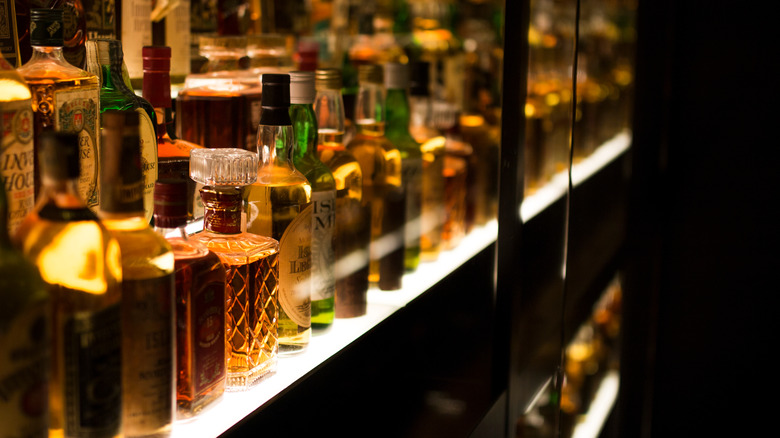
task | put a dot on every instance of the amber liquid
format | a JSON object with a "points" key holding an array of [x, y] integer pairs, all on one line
{"points": [[455, 189], [432, 211], [173, 162]]}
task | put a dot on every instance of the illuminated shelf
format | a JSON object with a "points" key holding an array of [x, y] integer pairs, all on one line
{"points": [[235, 406], [589, 425]]}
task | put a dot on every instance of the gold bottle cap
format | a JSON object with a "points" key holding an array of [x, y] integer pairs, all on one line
{"points": [[327, 79], [370, 74]]}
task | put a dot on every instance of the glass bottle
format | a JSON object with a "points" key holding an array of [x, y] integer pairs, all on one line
{"points": [[147, 282], [352, 233], [251, 262], [433, 151], [17, 156], [24, 340], [173, 155], [279, 206], [475, 131], [81, 266], [380, 162], [200, 304], [115, 96], [323, 197], [64, 98], [397, 131], [458, 189]]}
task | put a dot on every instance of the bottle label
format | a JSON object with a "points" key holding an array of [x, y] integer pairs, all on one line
{"points": [[92, 387], [148, 138], [9, 39], [208, 326], [412, 170], [24, 358], [295, 269], [322, 245], [177, 31], [147, 354], [136, 33], [18, 156], [77, 112]]}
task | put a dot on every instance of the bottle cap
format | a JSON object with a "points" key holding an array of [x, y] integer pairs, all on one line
{"points": [[327, 79], [121, 171], [302, 87], [370, 74], [396, 76], [157, 76], [59, 155], [230, 167], [46, 27], [276, 100], [419, 82], [170, 203]]}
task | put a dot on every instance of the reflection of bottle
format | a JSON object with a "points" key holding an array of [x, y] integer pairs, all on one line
{"points": [[200, 304], [17, 155], [80, 263], [380, 162], [251, 262], [64, 98], [24, 327], [323, 197], [279, 206], [147, 281], [352, 232], [459, 167]]}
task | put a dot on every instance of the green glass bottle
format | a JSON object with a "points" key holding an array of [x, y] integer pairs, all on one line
{"points": [[397, 131], [323, 198]]}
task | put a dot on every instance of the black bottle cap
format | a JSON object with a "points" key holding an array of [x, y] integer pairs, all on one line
{"points": [[59, 155], [170, 203], [420, 79], [46, 27], [276, 100], [121, 174]]}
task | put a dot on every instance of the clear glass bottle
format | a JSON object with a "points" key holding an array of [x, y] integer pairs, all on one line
{"points": [[251, 263], [24, 339], [200, 304], [173, 155], [80, 263], [352, 233], [64, 98], [380, 162], [279, 206], [17, 155], [397, 131], [323, 198], [115, 96]]}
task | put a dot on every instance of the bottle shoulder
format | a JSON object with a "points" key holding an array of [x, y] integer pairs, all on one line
{"points": [[43, 69], [144, 252], [239, 248], [316, 172]]}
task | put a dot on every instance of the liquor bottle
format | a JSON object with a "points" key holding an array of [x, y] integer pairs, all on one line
{"points": [[397, 131], [475, 131], [433, 151], [147, 282], [173, 155], [200, 304], [24, 341], [380, 162], [279, 206], [251, 262], [323, 197], [352, 232], [81, 266], [64, 98], [115, 96], [458, 189], [17, 156]]}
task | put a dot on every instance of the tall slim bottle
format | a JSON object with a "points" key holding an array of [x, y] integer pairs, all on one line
{"points": [[17, 155], [352, 233], [81, 265], [115, 96], [323, 197], [200, 304], [251, 262], [147, 282], [397, 131], [64, 98], [24, 341], [380, 162], [279, 206]]}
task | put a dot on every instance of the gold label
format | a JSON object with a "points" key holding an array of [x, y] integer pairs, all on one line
{"points": [[322, 253], [295, 269], [17, 157], [148, 159]]}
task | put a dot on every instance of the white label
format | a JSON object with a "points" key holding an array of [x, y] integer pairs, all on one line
{"points": [[295, 269], [148, 159], [17, 159], [136, 33], [177, 37], [322, 245]]}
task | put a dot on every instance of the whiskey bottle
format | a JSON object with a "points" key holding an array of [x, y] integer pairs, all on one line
{"points": [[147, 282], [279, 206], [173, 155], [433, 152], [115, 96], [17, 156], [458, 189], [251, 262], [24, 341], [352, 233], [200, 304], [80, 263], [323, 197], [64, 98], [397, 131], [380, 162]]}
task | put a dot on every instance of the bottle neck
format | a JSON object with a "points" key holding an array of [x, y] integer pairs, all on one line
{"points": [[221, 209], [329, 110], [48, 53], [370, 109], [420, 111], [304, 123], [397, 110], [63, 192], [275, 144]]}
